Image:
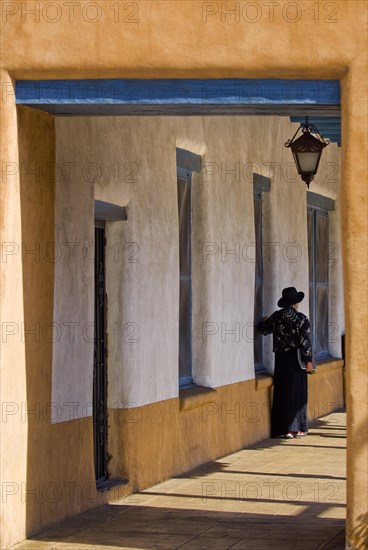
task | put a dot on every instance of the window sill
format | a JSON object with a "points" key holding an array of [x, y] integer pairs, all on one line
{"points": [[190, 398], [326, 365], [108, 484], [263, 381]]}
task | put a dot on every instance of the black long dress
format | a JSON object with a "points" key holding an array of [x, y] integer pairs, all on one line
{"points": [[290, 330], [290, 395]]}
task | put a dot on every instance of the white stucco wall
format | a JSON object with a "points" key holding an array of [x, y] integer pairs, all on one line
{"points": [[134, 164], [73, 332]]}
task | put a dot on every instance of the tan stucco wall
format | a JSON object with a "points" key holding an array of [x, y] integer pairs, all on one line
{"points": [[13, 356], [204, 427], [325, 389], [172, 40], [235, 416]]}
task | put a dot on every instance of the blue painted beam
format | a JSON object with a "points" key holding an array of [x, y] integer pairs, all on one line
{"points": [[204, 92], [320, 122], [330, 131], [333, 138], [316, 119], [325, 122], [328, 127], [325, 126], [329, 134]]}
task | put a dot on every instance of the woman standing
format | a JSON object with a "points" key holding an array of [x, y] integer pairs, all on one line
{"points": [[291, 330]]}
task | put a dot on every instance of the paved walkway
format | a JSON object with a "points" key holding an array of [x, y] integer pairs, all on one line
{"points": [[277, 495]]}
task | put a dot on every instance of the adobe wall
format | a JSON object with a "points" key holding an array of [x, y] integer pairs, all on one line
{"points": [[177, 39]]}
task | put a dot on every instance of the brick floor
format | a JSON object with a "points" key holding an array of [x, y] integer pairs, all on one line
{"points": [[277, 495]]}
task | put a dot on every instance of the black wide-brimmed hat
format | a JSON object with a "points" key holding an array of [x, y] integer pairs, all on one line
{"points": [[290, 296]]}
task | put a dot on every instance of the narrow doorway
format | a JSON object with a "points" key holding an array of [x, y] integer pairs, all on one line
{"points": [[99, 367]]}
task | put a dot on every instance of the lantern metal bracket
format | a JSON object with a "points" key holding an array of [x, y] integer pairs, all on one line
{"points": [[310, 128]]}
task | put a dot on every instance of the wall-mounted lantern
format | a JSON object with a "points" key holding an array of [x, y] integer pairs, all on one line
{"points": [[307, 150]]}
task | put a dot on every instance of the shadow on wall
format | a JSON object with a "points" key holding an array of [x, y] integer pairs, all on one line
{"points": [[361, 532]]}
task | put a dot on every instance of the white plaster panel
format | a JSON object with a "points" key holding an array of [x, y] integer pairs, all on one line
{"points": [[72, 364], [223, 278]]}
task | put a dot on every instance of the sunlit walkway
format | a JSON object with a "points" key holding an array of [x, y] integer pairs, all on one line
{"points": [[277, 495]]}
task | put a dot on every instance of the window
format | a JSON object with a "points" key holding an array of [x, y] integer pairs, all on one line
{"points": [[318, 251], [260, 184], [186, 164], [185, 292], [258, 283]]}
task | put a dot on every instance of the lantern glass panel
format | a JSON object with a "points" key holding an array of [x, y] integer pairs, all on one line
{"points": [[308, 161]]}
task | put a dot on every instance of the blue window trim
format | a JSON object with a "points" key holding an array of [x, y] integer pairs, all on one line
{"points": [[109, 212], [261, 184], [314, 200], [184, 96], [186, 160]]}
